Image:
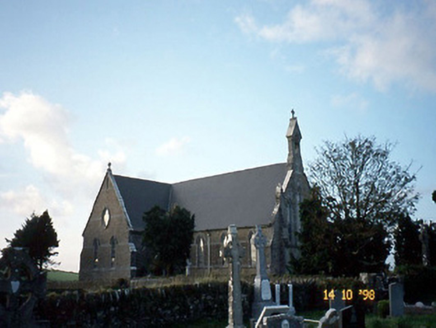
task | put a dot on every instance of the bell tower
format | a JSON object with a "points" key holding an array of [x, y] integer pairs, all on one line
{"points": [[295, 162]]}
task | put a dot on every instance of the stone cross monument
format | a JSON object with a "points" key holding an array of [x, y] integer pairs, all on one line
{"points": [[233, 251], [262, 287], [21, 284]]}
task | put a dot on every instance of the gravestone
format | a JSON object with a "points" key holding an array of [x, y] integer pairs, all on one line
{"points": [[396, 299], [21, 284], [352, 317], [330, 320], [277, 294], [262, 287], [337, 303], [291, 298], [233, 251], [283, 321]]}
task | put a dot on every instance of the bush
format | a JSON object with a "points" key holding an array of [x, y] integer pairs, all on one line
{"points": [[420, 285], [383, 308]]}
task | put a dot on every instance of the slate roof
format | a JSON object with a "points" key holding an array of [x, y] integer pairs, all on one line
{"points": [[244, 198], [140, 196]]}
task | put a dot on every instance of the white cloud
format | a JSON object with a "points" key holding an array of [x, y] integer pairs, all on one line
{"points": [[31, 200], [246, 23], [43, 129], [172, 146], [23, 202], [380, 45], [352, 101]]}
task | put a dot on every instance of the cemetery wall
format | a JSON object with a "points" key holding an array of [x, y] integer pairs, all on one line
{"points": [[143, 307], [166, 305]]}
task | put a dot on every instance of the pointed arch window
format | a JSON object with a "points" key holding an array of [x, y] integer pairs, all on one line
{"points": [[201, 250], [222, 238], [252, 248], [96, 245], [113, 243]]}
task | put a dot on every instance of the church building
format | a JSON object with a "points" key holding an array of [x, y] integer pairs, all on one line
{"points": [[268, 196]]}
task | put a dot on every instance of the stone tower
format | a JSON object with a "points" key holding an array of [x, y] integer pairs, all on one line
{"points": [[295, 188]]}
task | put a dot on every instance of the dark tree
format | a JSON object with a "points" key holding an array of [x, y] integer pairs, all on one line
{"points": [[408, 247], [364, 193], [168, 237], [317, 238], [358, 181], [431, 229], [38, 235], [338, 247]]}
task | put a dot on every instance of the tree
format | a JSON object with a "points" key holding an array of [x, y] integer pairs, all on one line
{"points": [[337, 247], [408, 247], [358, 181], [38, 235], [316, 238], [364, 193], [168, 237]]}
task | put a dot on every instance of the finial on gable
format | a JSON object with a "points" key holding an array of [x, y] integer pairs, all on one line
{"points": [[109, 167], [293, 113]]}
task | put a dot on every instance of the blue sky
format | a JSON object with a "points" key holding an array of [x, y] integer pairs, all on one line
{"points": [[174, 90]]}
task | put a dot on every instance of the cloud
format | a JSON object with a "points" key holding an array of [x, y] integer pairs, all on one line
{"points": [[174, 145], [43, 128], [381, 45], [352, 101], [24, 200], [30, 199]]}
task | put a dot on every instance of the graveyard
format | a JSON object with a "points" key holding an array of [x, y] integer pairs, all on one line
{"points": [[373, 300]]}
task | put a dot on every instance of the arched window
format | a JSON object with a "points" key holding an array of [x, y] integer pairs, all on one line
{"points": [[201, 250], [113, 246], [252, 253], [96, 245], [223, 260]]}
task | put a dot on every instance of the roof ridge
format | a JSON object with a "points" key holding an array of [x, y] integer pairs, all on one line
{"points": [[199, 178], [140, 179], [231, 172]]}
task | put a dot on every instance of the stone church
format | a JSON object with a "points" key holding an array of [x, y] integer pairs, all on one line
{"points": [[268, 196]]}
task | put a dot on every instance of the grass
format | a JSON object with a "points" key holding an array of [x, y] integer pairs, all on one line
{"points": [[407, 321], [56, 275]]}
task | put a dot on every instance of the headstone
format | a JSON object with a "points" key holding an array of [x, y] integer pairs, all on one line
{"points": [[330, 320], [337, 303], [352, 317], [291, 298], [283, 321], [277, 294], [233, 251], [262, 287], [21, 284], [396, 299]]}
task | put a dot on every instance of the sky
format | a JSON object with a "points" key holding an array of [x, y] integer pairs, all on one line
{"points": [[175, 90]]}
